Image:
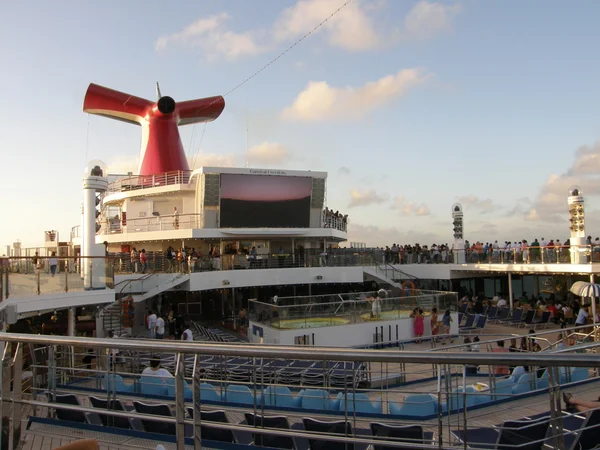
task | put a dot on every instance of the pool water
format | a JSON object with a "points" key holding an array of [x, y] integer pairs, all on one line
{"points": [[313, 322]]}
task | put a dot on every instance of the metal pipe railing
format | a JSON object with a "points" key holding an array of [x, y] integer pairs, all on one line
{"points": [[555, 359]]}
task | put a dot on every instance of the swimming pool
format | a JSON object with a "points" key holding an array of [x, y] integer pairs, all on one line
{"points": [[311, 322]]}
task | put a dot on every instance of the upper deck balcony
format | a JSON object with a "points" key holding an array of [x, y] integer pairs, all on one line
{"points": [[132, 182], [218, 202]]}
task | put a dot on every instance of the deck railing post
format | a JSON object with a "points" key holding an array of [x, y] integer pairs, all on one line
{"points": [[4, 384], [555, 407], [197, 399], [180, 401], [16, 407], [37, 278]]}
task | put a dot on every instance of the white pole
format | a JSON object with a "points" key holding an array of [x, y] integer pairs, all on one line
{"points": [[510, 290], [593, 302], [71, 322]]}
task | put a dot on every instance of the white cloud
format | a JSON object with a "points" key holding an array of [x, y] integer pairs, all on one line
{"points": [[484, 206], [364, 198], [381, 236], [551, 202], [211, 35], [215, 160], [356, 27], [268, 153], [319, 101], [427, 19], [352, 28], [409, 208], [123, 165]]}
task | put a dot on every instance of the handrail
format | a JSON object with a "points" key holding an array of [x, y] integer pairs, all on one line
{"points": [[510, 336], [314, 353]]}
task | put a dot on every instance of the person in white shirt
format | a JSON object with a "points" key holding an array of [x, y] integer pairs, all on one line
{"points": [[582, 316], [151, 324], [114, 352], [155, 370], [160, 328], [501, 303], [187, 334]]}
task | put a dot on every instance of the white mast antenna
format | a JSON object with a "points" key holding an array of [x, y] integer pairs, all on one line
{"points": [[158, 90]]}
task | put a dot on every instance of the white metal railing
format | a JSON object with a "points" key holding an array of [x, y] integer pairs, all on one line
{"points": [[137, 182], [151, 223], [214, 377]]}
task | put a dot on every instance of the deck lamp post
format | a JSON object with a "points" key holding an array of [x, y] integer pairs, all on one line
{"points": [[459, 241], [95, 183], [577, 249]]}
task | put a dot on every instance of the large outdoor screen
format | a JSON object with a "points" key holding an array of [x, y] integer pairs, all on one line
{"points": [[260, 201]]}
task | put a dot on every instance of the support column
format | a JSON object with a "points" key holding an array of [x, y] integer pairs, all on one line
{"points": [[71, 322], [510, 290], [593, 301], [293, 252]]}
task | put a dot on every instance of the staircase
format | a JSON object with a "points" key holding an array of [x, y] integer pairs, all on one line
{"points": [[383, 277], [111, 318], [386, 274], [176, 280]]}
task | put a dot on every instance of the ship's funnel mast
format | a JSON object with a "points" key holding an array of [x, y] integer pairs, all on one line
{"points": [[162, 150]]}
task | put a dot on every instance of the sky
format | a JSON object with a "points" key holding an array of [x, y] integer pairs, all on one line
{"points": [[410, 106]]}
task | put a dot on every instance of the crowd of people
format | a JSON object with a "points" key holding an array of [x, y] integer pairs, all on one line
{"points": [[335, 219], [169, 325], [553, 250]]}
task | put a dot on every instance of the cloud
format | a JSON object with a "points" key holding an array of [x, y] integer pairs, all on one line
{"points": [[355, 27], [343, 171], [268, 153], [380, 236], [409, 208], [428, 19], [352, 28], [484, 206], [215, 160], [123, 165], [551, 202], [319, 101], [364, 198], [211, 35]]}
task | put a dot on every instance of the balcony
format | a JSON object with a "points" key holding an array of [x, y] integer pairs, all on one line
{"points": [[140, 182]]}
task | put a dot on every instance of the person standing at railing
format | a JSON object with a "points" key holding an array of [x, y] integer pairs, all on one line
{"points": [[418, 324], [53, 262], [435, 326], [151, 324], [160, 328], [144, 260], [134, 260], [446, 321], [175, 218], [36, 262]]}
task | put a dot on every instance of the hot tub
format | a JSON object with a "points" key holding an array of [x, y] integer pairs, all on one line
{"points": [[309, 322]]}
